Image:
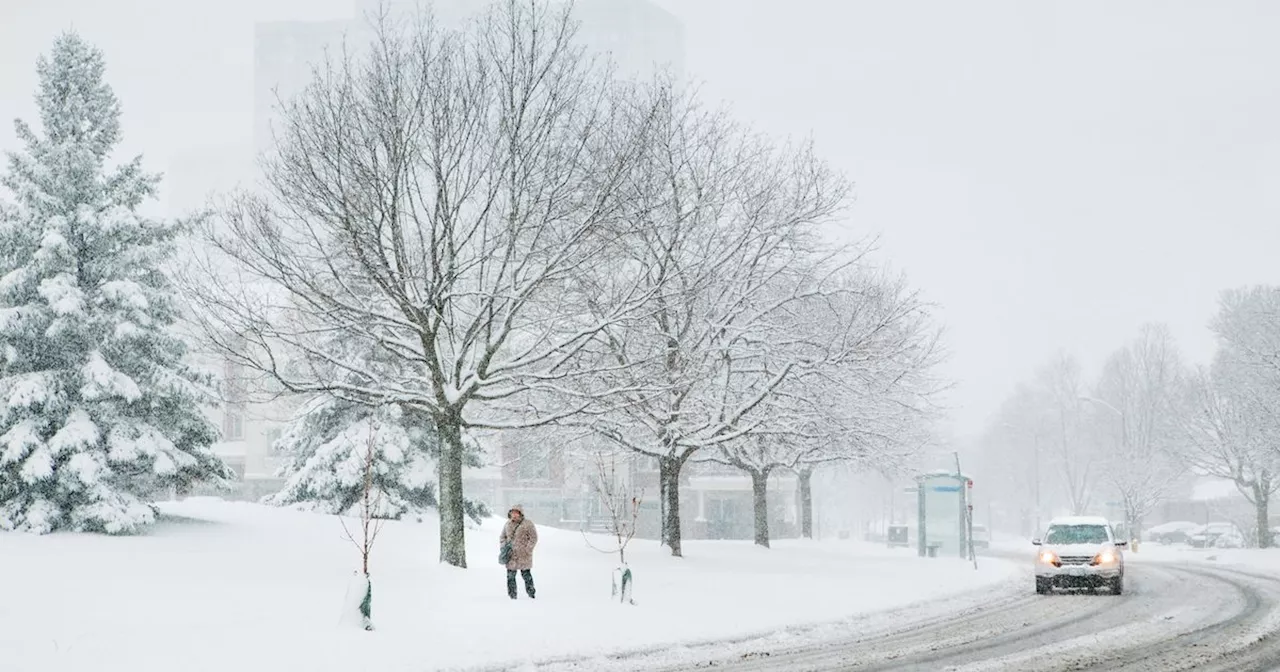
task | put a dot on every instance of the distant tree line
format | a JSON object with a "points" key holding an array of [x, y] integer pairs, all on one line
{"points": [[1149, 422]]}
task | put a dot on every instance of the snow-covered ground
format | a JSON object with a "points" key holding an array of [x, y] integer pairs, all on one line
{"points": [[1267, 559], [223, 586], [1242, 558]]}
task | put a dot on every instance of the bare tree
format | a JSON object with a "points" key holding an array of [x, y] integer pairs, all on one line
{"points": [[1137, 403], [870, 405], [371, 519], [1072, 453], [621, 501], [879, 404], [1228, 437], [1248, 324], [760, 454], [1036, 450], [1233, 418], [724, 224], [864, 450], [433, 198]]}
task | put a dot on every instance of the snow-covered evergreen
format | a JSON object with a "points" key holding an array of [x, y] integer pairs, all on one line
{"points": [[98, 410], [327, 443]]}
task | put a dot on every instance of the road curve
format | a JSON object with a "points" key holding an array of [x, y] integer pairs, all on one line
{"points": [[1190, 616]]}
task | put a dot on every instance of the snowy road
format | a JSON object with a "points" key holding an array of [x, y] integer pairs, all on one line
{"points": [[1172, 617]]}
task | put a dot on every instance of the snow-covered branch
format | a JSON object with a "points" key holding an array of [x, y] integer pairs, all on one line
{"points": [[1137, 406], [434, 196]]}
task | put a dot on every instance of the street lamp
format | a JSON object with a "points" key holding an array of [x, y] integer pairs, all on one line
{"points": [[1103, 403], [1124, 431]]}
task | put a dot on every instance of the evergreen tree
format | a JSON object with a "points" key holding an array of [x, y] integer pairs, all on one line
{"points": [[98, 411], [327, 443]]}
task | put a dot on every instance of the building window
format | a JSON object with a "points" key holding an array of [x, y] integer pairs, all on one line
{"points": [[237, 466], [233, 424], [234, 388], [273, 435], [533, 468]]}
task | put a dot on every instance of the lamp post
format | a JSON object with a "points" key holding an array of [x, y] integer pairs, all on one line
{"points": [[1105, 404]]}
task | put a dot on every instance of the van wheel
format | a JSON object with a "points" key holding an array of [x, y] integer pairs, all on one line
{"points": [[1117, 585], [1042, 587]]}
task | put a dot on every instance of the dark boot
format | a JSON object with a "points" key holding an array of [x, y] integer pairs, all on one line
{"points": [[527, 575], [511, 583]]}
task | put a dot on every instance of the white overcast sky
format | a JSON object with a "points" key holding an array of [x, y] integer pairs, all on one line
{"points": [[1054, 174]]}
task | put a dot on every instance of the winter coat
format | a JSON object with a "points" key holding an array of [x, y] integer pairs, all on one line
{"points": [[523, 537]]}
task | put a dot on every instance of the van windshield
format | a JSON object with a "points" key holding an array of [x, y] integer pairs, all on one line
{"points": [[1077, 534]]}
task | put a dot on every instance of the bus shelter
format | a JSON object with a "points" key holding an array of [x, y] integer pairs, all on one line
{"points": [[945, 523]]}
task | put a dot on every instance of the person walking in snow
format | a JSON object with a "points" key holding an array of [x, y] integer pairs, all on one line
{"points": [[519, 536]]}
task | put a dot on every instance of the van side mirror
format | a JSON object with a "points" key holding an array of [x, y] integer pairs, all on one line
{"points": [[1035, 542], [1122, 544]]}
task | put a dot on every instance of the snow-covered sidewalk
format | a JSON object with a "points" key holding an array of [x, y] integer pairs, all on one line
{"points": [[223, 586]]}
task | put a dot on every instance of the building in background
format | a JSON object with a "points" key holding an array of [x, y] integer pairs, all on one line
{"points": [[285, 53], [248, 421], [194, 177], [559, 488], [251, 421], [638, 35], [1207, 499]]}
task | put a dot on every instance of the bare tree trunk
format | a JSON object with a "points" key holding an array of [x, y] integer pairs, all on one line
{"points": [[1130, 520], [805, 484], [669, 481], [453, 530], [1261, 506], [760, 500]]}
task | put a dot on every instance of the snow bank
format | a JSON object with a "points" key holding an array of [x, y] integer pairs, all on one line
{"points": [[1267, 559], [220, 586]]}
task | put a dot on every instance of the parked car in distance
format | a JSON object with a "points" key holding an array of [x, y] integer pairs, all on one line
{"points": [[1216, 535], [1233, 539], [1174, 532]]}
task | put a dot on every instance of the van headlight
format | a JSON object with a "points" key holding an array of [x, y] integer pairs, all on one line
{"points": [[1105, 558], [1049, 558]]}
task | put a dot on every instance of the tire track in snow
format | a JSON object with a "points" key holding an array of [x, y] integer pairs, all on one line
{"points": [[1153, 636], [1153, 627], [1250, 643], [1173, 617], [699, 655], [990, 624]]}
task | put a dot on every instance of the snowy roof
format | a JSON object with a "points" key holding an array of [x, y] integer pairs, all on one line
{"points": [[1080, 520], [1209, 489], [943, 473]]}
